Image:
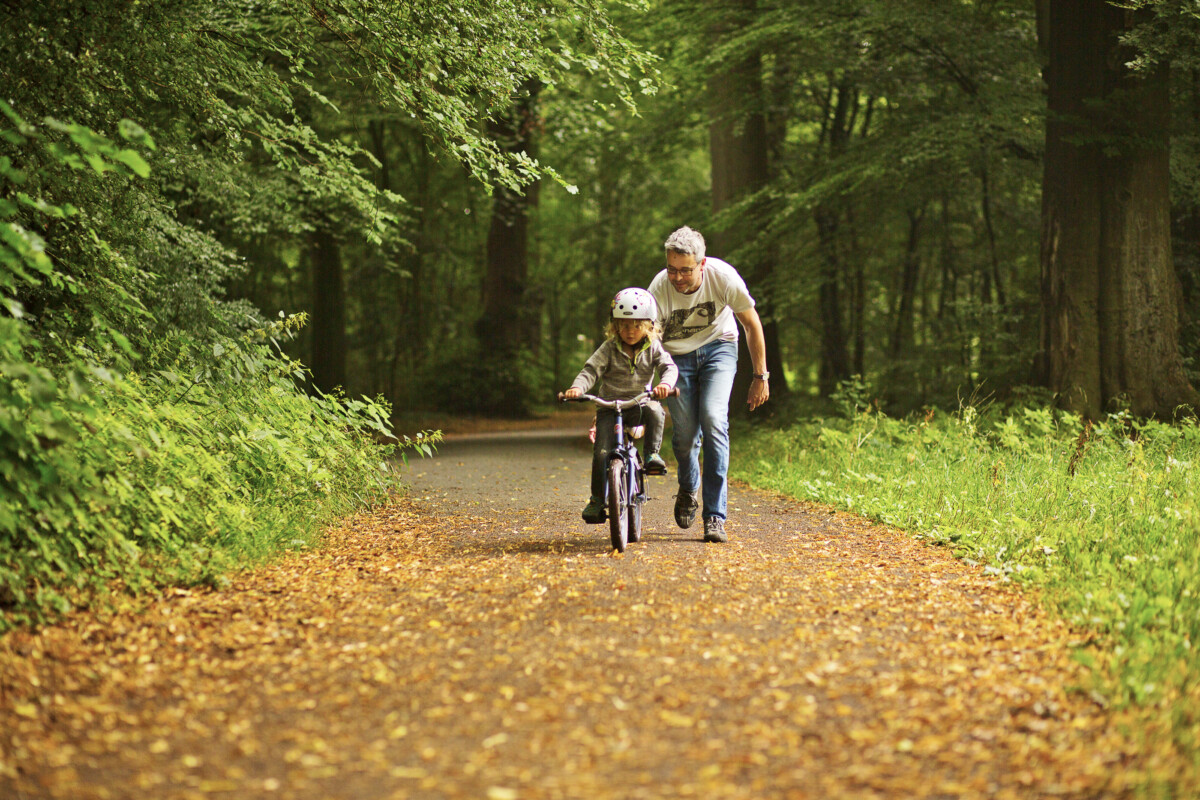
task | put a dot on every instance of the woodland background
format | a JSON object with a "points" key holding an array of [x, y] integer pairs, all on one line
{"points": [[452, 192], [240, 237]]}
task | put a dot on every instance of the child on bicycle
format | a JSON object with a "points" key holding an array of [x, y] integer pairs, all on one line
{"points": [[624, 366]]}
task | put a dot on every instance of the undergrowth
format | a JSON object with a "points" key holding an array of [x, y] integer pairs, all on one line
{"points": [[135, 453], [1101, 517], [177, 473]]}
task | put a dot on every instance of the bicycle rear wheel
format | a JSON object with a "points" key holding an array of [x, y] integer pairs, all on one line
{"points": [[618, 504]]}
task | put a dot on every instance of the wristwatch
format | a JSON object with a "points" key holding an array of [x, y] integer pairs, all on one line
{"points": [[762, 376]]}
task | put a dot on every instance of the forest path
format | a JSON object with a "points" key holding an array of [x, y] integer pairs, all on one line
{"points": [[478, 640]]}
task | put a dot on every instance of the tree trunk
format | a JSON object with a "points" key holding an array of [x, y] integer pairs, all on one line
{"points": [[505, 281], [1110, 320], [902, 355], [1187, 241], [904, 327], [993, 282], [858, 298], [835, 360], [329, 312], [738, 151], [510, 317]]}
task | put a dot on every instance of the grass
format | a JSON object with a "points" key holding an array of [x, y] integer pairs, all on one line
{"points": [[1102, 519]]}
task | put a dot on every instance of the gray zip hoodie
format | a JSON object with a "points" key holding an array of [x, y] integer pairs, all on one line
{"points": [[622, 377]]}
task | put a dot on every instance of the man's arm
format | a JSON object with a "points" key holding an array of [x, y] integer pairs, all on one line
{"points": [[757, 343]]}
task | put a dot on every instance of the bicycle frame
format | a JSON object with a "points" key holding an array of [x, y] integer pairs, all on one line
{"points": [[625, 449], [625, 511]]}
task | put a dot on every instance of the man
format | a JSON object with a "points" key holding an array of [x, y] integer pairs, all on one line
{"points": [[700, 301]]}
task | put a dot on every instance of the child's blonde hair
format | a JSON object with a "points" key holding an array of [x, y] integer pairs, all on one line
{"points": [[648, 325]]}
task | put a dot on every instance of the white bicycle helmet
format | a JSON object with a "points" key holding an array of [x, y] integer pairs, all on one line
{"points": [[634, 303]]}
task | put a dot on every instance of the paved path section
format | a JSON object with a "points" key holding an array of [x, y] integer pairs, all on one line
{"points": [[478, 640]]}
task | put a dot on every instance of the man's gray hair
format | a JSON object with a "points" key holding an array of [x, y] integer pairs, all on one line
{"points": [[686, 241]]}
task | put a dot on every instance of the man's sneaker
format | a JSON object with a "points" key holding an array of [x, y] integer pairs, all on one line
{"points": [[714, 530], [655, 465], [686, 506], [594, 512]]}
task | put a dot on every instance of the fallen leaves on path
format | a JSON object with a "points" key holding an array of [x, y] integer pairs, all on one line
{"points": [[424, 654]]}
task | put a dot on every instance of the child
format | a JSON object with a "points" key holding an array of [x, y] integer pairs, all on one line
{"points": [[624, 366]]}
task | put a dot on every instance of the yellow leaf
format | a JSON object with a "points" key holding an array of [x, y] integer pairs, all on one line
{"points": [[677, 720], [495, 741]]}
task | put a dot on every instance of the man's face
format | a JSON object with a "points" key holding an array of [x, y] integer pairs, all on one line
{"points": [[683, 272]]}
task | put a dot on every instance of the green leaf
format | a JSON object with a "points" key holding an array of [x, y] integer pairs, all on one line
{"points": [[134, 161], [41, 205], [97, 163], [13, 116], [132, 132], [12, 306]]}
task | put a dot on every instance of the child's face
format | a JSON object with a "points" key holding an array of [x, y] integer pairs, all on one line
{"points": [[632, 331]]}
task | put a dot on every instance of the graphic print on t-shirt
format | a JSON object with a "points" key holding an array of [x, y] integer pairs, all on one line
{"points": [[686, 322]]}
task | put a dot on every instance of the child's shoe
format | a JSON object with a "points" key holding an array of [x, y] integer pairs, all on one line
{"points": [[655, 465], [593, 512]]}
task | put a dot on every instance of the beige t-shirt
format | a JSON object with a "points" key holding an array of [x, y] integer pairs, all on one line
{"points": [[690, 321]]}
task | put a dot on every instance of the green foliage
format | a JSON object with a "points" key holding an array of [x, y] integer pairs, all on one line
{"points": [[497, 381], [204, 462], [1104, 517], [198, 458]]}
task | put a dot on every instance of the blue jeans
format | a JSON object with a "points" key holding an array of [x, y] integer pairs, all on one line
{"points": [[701, 412]]}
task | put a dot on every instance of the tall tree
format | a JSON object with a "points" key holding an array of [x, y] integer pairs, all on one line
{"points": [[505, 290], [738, 152], [509, 322], [328, 363], [1110, 321], [839, 107]]}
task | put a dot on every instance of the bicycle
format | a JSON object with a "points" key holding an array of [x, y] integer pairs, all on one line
{"points": [[625, 484]]}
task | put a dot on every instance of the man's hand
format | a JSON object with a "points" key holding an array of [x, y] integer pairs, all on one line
{"points": [[662, 390], [760, 392], [757, 344]]}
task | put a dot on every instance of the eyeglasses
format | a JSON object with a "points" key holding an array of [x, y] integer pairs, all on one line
{"points": [[683, 273]]}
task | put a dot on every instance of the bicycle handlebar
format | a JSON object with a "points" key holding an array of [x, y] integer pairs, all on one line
{"points": [[614, 404]]}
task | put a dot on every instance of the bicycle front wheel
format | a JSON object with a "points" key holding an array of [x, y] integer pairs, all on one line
{"points": [[635, 506], [618, 504]]}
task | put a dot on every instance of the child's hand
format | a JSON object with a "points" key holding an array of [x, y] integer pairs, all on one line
{"points": [[572, 393], [662, 390]]}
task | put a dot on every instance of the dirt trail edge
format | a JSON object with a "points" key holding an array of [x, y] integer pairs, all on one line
{"points": [[478, 640]]}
